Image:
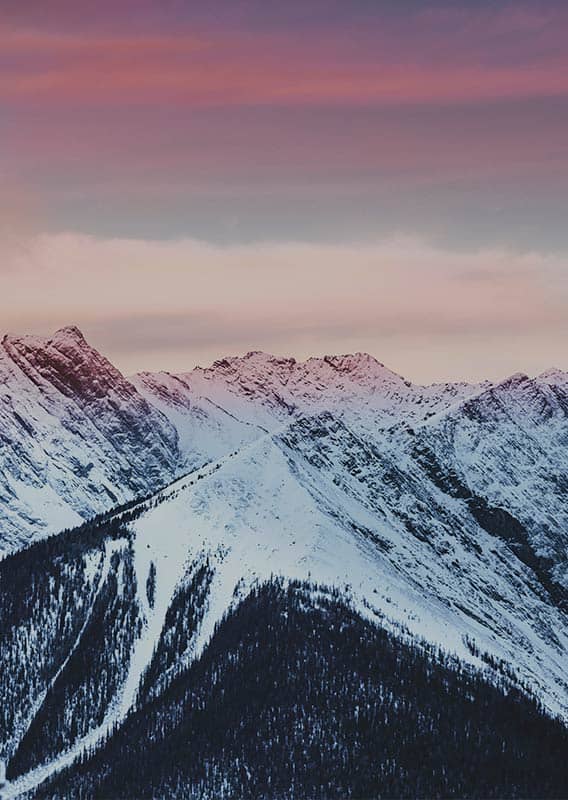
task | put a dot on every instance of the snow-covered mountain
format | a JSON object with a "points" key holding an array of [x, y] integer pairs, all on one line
{"points": [[77, 437], [438, 514], [264, 391]]}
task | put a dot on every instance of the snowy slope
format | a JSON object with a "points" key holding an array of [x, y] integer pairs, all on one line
{"points": [[440, 512], [205, 429], [331, 497], [314, 501], [509, 444], [264, 390], [76, 438]]}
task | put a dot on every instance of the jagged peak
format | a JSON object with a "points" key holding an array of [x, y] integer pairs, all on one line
{"points": [[29, 339], [360, 362], [356, 364], [515, 379], [69, 333], [553, 376], [346, 360], [65, 360], [354, 358], [253, 356], [259, 355]]}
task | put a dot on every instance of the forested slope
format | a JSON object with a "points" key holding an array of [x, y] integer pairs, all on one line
{"points": [[297, 697]]}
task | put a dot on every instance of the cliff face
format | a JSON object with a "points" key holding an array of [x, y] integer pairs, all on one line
{"points": [[76, 437]]}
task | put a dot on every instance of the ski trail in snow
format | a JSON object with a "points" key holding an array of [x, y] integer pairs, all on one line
{"points": [[116, 712]]}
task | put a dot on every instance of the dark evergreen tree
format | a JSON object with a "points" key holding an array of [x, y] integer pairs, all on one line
{"points": [[296, 697]]}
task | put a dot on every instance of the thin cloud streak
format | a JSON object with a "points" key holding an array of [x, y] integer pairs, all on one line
{"points": [[427, 55], [181, 73]]}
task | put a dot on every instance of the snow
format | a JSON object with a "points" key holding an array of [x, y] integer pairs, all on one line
{"points": [[78, 437], [36, 776], [89, 438], [43, 499], [310, 472]]}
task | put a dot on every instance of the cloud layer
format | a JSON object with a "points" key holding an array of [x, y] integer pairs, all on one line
{"points": [[249, 120], [169, 305], [388, 176]]}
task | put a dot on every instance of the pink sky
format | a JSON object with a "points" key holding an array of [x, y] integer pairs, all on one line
{"points": [[429, 313], [159, 150]]}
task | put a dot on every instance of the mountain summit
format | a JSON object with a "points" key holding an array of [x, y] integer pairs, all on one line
{"points": [[79, 437]]}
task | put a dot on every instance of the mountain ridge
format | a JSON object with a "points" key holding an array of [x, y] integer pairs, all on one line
{"points": [[438, 514], [90, 438], [78, 436]]}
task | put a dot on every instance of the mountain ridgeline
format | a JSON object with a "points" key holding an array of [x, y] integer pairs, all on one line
{"points": [[280, 579]]}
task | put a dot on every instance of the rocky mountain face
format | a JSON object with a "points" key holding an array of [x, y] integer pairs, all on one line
{"points": [[436, 515], [76, 438], [263, 390]]}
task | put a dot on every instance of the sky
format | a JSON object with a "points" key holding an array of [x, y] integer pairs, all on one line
{"points": [[188, 180]]}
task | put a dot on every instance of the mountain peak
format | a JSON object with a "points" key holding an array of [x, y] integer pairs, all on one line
{"points": [[69, 333], [360, 368], [259, 355], [513, 380], [553, 376], [350, 362], [66, 361]]}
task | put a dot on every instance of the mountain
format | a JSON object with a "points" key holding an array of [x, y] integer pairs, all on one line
{"points": [[353, 570], [262, 390], [76, 437], [368, 715]]}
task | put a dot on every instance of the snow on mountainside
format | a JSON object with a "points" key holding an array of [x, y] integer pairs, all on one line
{"points": [[439, 512], [284, 386], [509, 444], [205, 429], [554, 377], [238, 399], [311, 501], [316, 501], [76, 438]]}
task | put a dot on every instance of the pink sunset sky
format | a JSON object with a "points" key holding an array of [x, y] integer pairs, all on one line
{"points": [[186, 180]]}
